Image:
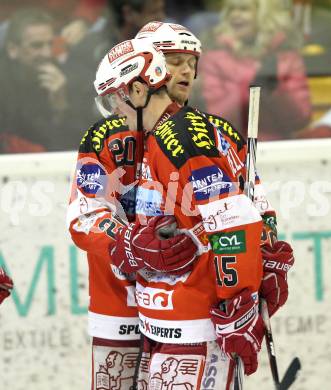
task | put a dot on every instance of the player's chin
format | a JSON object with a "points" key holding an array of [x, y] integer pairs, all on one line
{"points": [[180, 96]]}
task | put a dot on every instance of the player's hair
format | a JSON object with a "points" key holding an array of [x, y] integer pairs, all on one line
{"points": [[23, 18]]}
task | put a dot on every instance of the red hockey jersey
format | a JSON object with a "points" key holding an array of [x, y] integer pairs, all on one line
{"points": [[190, 170]]}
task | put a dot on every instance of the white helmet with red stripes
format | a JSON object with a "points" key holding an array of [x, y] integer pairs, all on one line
{"points": [[126, 62], [171, 38]]}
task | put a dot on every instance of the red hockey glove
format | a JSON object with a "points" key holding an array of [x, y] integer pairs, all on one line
{"points": [[6, 285], [139, 246], [240, 330], [277, 260]]}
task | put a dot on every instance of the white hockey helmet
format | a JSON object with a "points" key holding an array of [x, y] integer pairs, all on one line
{"points": [[126, 62], [171, 38]]}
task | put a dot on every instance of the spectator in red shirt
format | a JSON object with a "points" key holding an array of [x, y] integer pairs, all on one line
{"points": [[254, 44]]}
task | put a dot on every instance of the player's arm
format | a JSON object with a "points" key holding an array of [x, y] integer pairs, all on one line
{"points": [[92, 215], [97, 221]]}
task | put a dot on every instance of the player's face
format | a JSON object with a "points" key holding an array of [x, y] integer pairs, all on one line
{"points": [[182, 67]]}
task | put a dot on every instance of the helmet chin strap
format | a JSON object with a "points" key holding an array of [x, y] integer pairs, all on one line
{"points": [[140, 130], [139, 110], [140, 124]]}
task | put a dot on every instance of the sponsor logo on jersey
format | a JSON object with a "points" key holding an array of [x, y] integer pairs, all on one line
{"points": [[163, 119], [119, 50], [131, 293], [231, 242], [222, 217], [146, 172], [261, 203], [90, 178], [97, 136], [223, 144], [159, 331], [154, 298], [210, 374], [182, 373], [83, 205], [128, 329], [234, 161], [161, 277], [200, 233], [148, 202], [128, 69], [209, 181], [85, 223], [199, 131], [226, 127], [169, 138], [229, 212], [128, 202]]}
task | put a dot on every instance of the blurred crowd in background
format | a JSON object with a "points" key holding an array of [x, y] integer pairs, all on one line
{"points": [[50, 51]]}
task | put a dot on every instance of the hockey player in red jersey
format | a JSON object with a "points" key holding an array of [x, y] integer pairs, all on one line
{"points": [[110, 143], [103, 195], [6, 285], [182, 50], [189, 171]]}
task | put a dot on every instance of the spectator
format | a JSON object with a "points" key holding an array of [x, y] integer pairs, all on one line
{"points": [[33, 93], [255, 44], [72, 17]]}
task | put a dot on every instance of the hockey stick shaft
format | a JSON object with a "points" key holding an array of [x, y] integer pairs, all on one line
{"points": [[253, 117], [238, 385], [293, 368], [252, 131], [270, 343]]}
